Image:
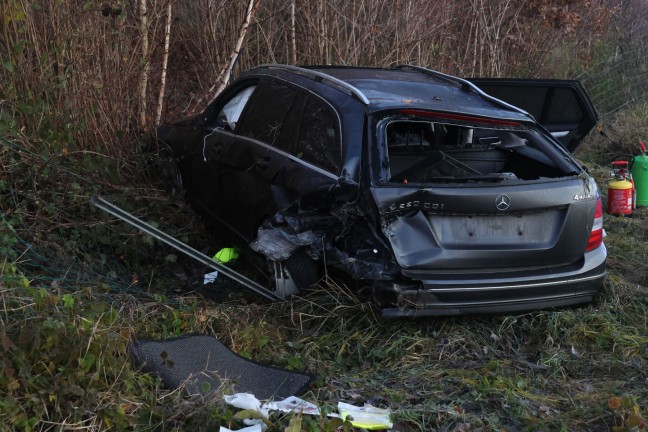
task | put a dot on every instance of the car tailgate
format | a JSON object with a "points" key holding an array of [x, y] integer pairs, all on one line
{"points": [[561, 106], [531, 225]]}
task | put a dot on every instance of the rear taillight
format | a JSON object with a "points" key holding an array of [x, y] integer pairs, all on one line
{"points": [[596, 236]]}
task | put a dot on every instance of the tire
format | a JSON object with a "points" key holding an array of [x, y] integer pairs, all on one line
{"points": [[303, 270]]}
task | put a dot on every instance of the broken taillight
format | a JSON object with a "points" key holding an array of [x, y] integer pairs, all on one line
{"points": [[597, 234]]}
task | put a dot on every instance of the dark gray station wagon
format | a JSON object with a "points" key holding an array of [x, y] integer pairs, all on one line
{"points": [[426, 187]]}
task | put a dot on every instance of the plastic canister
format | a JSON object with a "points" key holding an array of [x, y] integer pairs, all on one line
{"points": [[640, 177], [620, 194]]}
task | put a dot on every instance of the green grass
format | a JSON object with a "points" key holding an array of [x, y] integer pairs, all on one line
{"points": [[64, 330]]}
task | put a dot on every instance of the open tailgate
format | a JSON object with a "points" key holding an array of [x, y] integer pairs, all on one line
{"points": [[561, 106]]}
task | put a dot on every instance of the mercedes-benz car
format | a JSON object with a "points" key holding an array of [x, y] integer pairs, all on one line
{"points": [[444, 195]]}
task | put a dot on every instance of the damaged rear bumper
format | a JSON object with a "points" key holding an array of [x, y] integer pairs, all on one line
{"points": [[448, 293]]}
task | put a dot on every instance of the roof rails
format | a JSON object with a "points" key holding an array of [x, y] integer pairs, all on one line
{"points": [[319, 76], [462, 82]]}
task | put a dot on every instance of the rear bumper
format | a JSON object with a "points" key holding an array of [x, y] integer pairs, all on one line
{"points": [[436, 294]]}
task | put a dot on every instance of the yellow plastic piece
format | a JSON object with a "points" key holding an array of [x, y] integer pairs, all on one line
{"points": [[226, 255]]}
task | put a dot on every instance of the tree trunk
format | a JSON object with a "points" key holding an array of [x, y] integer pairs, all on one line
{"points": [[144, 77], [222, 80], [165, 61]]}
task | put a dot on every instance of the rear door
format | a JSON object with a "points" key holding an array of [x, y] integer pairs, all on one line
{"points": [[561, 106], [286, 151]]}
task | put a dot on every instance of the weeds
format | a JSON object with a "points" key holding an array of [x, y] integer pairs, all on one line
{"points": [[75, 288]]}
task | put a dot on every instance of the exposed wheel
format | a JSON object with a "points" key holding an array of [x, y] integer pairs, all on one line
{"points": [[303, 269], [295, 274]]}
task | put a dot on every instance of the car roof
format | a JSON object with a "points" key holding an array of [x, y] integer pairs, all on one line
{"points": [[407, 87]]}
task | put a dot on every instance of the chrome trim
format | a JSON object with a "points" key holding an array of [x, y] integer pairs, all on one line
{"points": [[505, 287], [313, 73], [559, 134]]}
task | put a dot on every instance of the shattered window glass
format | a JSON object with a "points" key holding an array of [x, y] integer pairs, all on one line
{"points": [[229, 115], [319, 141], [424, 151], [266, 117]]}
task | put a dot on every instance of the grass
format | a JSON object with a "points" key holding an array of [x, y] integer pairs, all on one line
{"points": [[64, 333]]}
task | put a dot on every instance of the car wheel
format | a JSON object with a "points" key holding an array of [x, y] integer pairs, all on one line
{"points": [[295, 274], [303, 269]]}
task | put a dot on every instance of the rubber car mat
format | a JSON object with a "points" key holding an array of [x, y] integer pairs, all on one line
{"points": [[202, 365]]}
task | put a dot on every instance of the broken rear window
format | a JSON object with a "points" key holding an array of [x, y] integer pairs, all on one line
{"points": [[423, 151]]}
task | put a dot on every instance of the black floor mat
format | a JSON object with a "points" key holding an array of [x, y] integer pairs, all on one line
{"points": [[202, 365]]}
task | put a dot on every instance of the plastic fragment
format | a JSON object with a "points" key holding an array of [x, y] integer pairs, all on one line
{"points": [[293, 404], [210, 277], [366, 417], [246, 401], [226, 255]]}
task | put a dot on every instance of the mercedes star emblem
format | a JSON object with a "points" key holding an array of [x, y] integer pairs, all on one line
{"points": [[502, 202]]}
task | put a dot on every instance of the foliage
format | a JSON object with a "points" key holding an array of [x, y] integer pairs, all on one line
{"points": [[76, 286]]}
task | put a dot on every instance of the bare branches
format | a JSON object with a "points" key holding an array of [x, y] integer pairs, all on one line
{"points": [[223, 77]]}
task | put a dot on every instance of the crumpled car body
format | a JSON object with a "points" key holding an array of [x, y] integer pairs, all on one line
{"points": [[440, 197]]}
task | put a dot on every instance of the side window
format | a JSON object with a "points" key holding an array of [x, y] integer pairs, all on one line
{"points": [[319, 136], [267, 119], [564, 107], [229, 115]]}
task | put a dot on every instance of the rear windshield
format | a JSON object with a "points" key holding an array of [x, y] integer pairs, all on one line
{"points": [[415, 151]]}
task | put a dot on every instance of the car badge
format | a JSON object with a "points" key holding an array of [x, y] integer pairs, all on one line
{"points": [[502, 202]]}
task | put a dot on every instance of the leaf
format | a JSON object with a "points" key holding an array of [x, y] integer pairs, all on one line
{"points": [[125, 333], [87, 361], [68, 301], [634, 420], [76, 390], [248, 414], [6, 342], [614, 403], [295, 424]]}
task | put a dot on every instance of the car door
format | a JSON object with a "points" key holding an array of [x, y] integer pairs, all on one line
{"points": [[203, 156], [257, 155], [286, 151], [561, 106]]}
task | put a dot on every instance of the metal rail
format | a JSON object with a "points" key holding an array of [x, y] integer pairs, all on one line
{"points": [[112, 209], [462, 82], [312, 74]]}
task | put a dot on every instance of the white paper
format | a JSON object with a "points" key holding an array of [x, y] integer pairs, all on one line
{"points": [[293, 404], [210, 277], [246, 401], [255, 428]]}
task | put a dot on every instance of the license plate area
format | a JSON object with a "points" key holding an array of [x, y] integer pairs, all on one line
{"points": [[516, 231]]}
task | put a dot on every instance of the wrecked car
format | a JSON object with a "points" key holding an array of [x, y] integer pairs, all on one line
{"points": [[439, 196]]}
